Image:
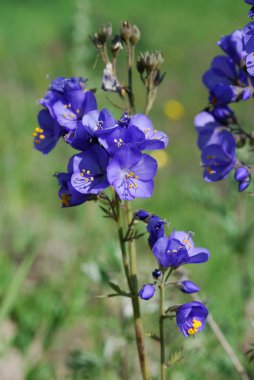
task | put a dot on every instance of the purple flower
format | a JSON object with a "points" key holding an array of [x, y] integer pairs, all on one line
{"points": [[188, 287], [88, 170], [154, 139], [219, 156], [191, 318], [242, 176], [131, 173], [98, 123], [147, 292], [136, 131], [206, 125], [68, 195], [178, 249], [47, 134], [67, 102], [248, 31], [233, 46], [225, 82], [250, 63], [155, 228], [62, 84]]}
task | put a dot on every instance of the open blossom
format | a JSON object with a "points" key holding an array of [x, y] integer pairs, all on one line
{"points": [[131, 173], [219, 156], [191, 318], [68, 195], [178, 249], [47, 134], [67, 103]]}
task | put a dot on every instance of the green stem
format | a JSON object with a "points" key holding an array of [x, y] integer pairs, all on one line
{"points": [[130, 53], [138, 325], [162, 335]]}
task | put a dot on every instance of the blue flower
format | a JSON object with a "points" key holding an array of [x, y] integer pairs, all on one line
{"points": [[191, 318], [219, 156], [155, 227], [68, 195], [178, 249], [47, 134], [131, 173], [67, 102], [89, 175]]}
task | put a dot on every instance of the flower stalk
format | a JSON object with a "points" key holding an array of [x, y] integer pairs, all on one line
{"points": [[128, 251], [161, 323]]}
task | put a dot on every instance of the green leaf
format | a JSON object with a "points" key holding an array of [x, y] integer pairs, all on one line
{"points": [[175, 358]]}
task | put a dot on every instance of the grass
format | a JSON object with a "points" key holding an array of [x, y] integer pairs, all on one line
{"points": [[54, 311]]}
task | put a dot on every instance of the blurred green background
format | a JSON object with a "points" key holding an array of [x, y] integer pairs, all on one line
{"points": [[53, 261]]}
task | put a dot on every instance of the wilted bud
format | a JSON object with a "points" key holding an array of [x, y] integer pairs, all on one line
{"points": [[135, 35], [109, 80], [151, 61], [240, 140], [116, 44], [126, 30], [106, 31], [100, 38]]}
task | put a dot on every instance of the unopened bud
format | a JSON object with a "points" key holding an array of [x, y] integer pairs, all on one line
{"points": [[126, 30], [135, 36]]}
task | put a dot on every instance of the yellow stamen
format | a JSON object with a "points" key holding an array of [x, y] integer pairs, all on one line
{"points": [[35, 134], [42, 137]]}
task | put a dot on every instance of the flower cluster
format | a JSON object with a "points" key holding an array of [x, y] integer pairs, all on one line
{"points": [[229, 80], [171, 252], [111, 151]]}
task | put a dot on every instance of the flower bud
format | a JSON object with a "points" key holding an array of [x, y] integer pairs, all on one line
{"points": [[147, 292], [241, 174], [156, 274], [135, 36], [188, 287], [142, 215], [126, 30], [243, 185]]}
